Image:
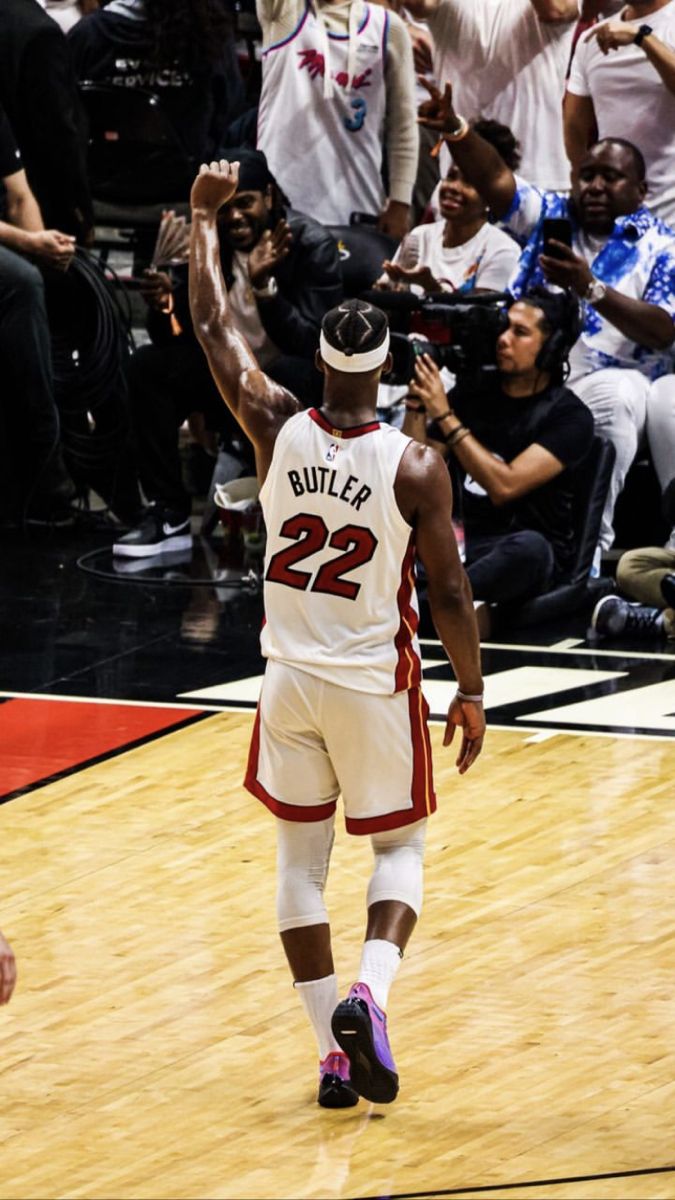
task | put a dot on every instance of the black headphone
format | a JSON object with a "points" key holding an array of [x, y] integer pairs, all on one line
{"points": [[565, 313]]}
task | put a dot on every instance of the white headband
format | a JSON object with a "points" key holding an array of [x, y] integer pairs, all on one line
{"points": [[351, 363]]}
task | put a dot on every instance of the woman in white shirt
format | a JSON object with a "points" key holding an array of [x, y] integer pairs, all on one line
{"points": [[462, 251]]}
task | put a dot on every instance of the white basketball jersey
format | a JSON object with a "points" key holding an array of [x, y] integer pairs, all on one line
{"points": [[326, 151], [340, 598]]}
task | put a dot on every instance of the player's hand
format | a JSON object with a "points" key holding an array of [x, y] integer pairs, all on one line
{"points": [[53, 248], [427, 386], [437, 112], [568, 271], [421, 276], [268, 253], [469, 716], [7, 970], [611, 35], [214, 186]]}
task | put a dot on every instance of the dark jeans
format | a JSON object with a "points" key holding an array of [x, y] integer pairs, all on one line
{"points": [[511, 566], [28, 413], [166, 384]]}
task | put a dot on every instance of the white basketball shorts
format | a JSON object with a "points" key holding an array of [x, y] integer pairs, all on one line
{"points": [[313, 740]]}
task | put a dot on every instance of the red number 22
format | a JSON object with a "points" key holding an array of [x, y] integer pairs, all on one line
{"points": [[310, 535]]}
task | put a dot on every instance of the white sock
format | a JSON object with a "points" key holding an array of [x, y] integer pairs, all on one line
{"points": [[320, 999], [380, 961]]}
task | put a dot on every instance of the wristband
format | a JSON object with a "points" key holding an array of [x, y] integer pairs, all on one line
{"points": [[442, 417], [470, 699], [416, 408], [457, 434], [460, 132]]}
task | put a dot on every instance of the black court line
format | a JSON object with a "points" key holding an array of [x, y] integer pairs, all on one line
{"points": [[104, 757], [525, 1183]]}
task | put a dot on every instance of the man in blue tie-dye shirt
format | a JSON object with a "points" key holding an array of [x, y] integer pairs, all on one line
{"points": [[621, 263]]}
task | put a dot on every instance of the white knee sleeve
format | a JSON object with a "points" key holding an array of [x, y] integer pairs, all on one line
{"points": [[303, 855], [399, 866]]}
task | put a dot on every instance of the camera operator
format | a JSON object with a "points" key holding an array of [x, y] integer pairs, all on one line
{"points": [[514, 432]]}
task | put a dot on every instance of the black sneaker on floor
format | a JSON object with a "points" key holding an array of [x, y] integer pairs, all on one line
{"points": [[613, 617], [668, 589], [159, 529]]}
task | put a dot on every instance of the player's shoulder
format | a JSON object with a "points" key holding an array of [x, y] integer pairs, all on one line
{"points": [[420, 467]]}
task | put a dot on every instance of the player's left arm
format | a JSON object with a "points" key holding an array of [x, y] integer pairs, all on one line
{"points": [[424, 496], [259, 404]]}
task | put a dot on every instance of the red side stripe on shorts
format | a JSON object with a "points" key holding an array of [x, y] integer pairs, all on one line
{"points": [[423, 794], [422, 791], [287, 812]]}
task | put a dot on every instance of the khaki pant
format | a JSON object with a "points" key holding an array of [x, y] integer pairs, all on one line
{"points": [[639, 574]]}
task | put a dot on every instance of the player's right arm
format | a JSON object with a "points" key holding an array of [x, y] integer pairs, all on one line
{"points": [[424, 495], [259, 404]]}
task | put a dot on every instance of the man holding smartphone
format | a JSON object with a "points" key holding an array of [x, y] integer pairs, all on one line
{"points": [[621, 262]]}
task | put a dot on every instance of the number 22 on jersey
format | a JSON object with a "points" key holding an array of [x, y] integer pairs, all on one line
{"points": [[309, 535]]}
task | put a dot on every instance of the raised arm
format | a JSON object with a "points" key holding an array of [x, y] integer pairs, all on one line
{"points": [[478, 161], [424, 496], [260, 406]]}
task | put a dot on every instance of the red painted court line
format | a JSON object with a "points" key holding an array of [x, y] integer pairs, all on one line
{"points": [[40, 738]]}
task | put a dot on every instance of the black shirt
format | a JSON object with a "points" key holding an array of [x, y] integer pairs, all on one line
{"points": [[555, 419], [39, 95], [10, 160], [200, 101]]}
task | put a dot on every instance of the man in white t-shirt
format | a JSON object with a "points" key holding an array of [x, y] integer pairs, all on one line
{"points": [[623, 82], [507, 59]]}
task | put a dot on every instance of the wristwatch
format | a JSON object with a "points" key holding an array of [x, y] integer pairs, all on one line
{"points": [[643, 32], [596, 291], [265, 293]]}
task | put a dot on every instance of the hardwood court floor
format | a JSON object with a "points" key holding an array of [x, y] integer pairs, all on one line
{"points": [[155, 1049]]}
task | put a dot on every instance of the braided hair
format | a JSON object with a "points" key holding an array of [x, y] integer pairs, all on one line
{"points": [[355, 327]]}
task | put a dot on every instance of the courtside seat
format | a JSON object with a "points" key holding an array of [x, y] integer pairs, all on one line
{"points": [[136, 164]]}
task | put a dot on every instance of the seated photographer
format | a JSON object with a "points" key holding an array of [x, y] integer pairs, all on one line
{"points": [[462, 252], [283, 274], [514, 433], [617, 257], [35, 485]]}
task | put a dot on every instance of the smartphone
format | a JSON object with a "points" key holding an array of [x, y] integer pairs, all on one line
{"points": [[557, 229]]}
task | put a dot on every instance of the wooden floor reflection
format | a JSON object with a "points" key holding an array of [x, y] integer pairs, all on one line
{"points": [[155, 1048]]}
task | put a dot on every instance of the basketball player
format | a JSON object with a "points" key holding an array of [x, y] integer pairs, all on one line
{"points": [[7, 971], [347, 504]]}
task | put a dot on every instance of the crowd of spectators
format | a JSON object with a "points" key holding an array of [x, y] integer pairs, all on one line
{"points": [[459, 131]]}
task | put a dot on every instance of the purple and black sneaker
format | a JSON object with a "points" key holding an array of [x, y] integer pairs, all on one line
{"points": [[335, 1090], [361, 1029]]}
